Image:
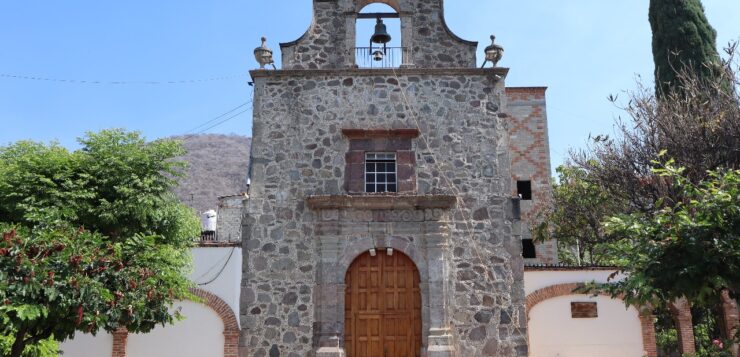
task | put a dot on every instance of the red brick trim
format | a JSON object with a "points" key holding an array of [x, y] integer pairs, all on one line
{"points": [[406, 133], [553, 291], [231, 327], [550, 292], [526, 90], [649, 344], [218, 305], [681, 310], [119, 342], [730, 318]]}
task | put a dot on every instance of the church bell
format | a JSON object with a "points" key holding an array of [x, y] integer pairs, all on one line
{"points": [[381, 35]]}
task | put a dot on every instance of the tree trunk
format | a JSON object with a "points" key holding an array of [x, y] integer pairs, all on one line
{"points": [[19, 344]]}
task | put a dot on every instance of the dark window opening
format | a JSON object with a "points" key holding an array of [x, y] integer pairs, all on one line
{"points": [[380, 172], [524, 190], [528, 250]]}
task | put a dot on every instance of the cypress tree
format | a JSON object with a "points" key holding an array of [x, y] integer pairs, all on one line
{"points": [[682, 39]]}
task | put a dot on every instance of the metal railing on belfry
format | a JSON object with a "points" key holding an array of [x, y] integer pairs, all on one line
{"points": [[208, 236], [377, 57]]}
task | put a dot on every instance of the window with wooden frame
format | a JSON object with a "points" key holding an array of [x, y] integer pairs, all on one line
{"points": [[380, 161]]}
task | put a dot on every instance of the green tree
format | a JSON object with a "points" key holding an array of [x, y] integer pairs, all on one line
{"points": [[686, 249], [682, 37], [699, 128], [45, 348], [578, 209], [93, 239]]}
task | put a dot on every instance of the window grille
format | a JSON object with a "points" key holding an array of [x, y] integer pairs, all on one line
{"points": [[380, 172]]}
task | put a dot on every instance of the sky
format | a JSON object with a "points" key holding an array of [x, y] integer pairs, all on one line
{"points": [[171, 67]]}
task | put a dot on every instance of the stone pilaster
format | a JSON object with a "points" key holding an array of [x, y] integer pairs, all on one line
{"points": [[441, 342]]}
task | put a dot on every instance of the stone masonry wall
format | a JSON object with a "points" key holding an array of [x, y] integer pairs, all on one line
{"points": [[329, 41], [299, 151], [530, 160], [229, 223]]}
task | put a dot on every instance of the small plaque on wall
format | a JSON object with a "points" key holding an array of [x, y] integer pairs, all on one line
{"points": [[583, 310]]}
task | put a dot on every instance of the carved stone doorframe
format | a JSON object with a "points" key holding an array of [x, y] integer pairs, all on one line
{"points": [[428, 251]]}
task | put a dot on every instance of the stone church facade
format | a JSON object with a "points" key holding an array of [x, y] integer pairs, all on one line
{"points": [[388, 215], [382, 218]]}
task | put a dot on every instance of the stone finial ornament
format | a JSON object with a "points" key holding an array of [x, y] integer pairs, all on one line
{"points": [[263, 55], [494, 52]]}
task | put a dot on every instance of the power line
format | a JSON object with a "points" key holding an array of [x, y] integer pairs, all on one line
{"points": [[211, 126], [218, 117], [188, 136], [101, 82], [225, 120], [220, 271]]}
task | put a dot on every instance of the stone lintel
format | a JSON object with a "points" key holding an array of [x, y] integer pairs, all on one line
{"points": [[406, 133], [383, 72], [381, 202]]}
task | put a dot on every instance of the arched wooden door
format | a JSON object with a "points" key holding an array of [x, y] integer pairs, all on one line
{"points": [[382, 308]]}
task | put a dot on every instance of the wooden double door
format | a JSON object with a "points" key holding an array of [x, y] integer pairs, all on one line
{"points": [[382, 307]]}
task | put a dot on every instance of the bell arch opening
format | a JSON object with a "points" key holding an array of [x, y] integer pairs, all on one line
{"points": [[382, 306], [361, 4], [378, 42]]}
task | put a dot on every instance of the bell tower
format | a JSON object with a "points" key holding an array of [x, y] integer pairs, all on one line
{"points": [[426, 40], [382, 219]]}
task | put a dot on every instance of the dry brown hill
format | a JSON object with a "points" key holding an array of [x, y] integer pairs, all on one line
{"points": [[218, 167]]}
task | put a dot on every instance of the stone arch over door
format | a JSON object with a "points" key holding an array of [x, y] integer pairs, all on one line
{"points": [[558, 290]]}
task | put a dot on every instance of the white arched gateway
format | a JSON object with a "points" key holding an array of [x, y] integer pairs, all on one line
{"points": [[563, 322]]}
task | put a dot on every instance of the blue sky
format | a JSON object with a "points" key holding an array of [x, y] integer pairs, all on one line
{"points": [[583, 50]]}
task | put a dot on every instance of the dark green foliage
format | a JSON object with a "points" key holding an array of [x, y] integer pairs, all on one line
{"points": [[575, 219], [92, 239], [682, 36], [689, 248]]}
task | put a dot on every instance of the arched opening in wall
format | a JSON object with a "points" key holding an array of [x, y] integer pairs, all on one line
{"points": [[382, 306], [201, 333], [378, 55]]}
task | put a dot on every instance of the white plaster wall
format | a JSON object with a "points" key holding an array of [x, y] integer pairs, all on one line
{"points": [[208, 262], [86, 345], [202, 328], [615, 333], [200, 334], [535, 280]]}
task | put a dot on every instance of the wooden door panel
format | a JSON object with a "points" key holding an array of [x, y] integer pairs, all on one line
{"points": [[382, 307], [369, 337]]}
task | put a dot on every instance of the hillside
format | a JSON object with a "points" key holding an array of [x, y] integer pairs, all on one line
{"points": [[218, 167]]}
